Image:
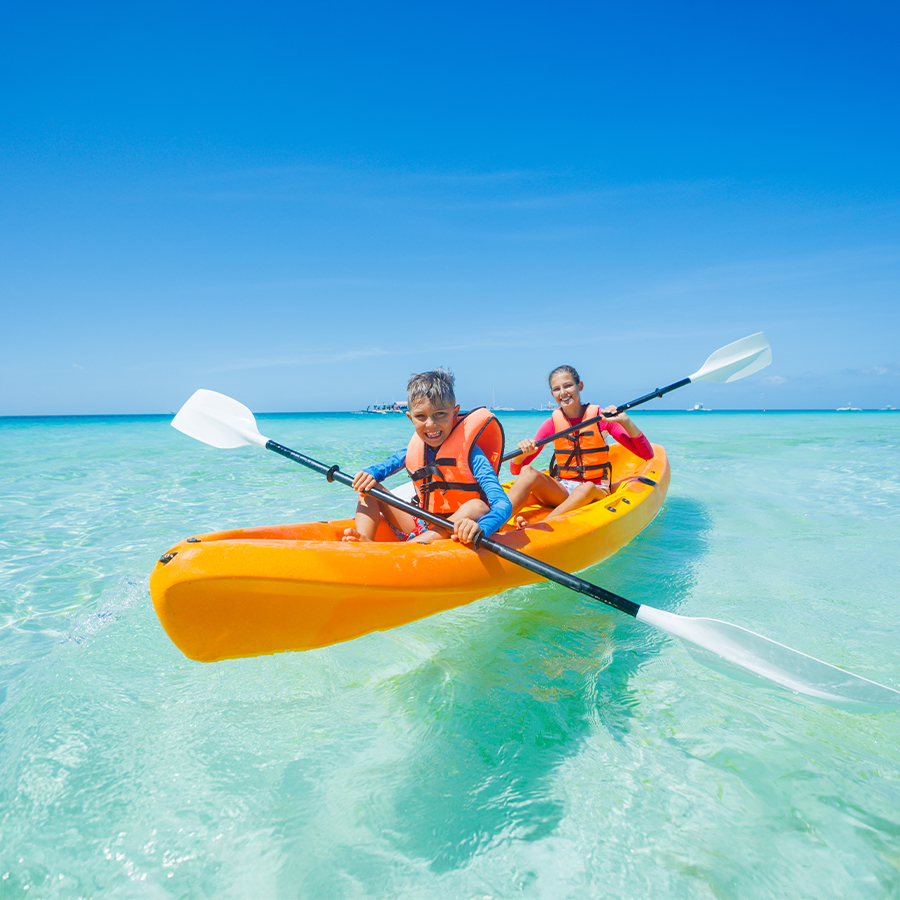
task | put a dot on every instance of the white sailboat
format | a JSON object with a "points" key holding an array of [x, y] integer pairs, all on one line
{"points": [[494, 407]]}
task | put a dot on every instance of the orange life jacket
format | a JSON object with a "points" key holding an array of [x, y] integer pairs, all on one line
{"points": [[582, 455], [445, 484]]}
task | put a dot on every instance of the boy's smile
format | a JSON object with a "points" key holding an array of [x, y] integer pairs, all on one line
{"points": [[432, 424]]}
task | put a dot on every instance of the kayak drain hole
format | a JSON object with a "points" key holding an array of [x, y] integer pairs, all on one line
{"points": [[168, 557], [193, 541], [611, 508]]}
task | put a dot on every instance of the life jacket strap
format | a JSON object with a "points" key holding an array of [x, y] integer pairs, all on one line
{"points": [[432, 480], [579, 459]]}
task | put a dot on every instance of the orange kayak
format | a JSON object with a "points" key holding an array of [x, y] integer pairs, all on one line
{"points": [[254, 591]]}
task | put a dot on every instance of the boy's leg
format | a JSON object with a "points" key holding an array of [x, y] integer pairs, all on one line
{"points": [[369, 512], [471, 509]]}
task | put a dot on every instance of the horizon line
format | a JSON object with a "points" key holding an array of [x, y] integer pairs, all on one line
{"points": [[336, 412]]}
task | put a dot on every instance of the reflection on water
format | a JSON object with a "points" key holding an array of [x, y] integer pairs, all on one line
{"points": [[498, 713], [533, 744]]}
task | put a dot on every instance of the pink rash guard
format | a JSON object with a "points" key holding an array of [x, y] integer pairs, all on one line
{"points": [[639, 446]]}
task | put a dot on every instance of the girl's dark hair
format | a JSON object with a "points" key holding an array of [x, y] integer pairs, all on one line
{"points": [[435, 386], [568, 369]]}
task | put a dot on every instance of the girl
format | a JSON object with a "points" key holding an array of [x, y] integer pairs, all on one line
{"points": [[580, 473]]}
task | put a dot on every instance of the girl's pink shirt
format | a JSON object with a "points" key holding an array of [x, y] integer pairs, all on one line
{"points": [[639, 446]]}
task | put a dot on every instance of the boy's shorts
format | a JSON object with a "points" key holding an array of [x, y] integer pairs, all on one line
{"points": [[420, 528]]}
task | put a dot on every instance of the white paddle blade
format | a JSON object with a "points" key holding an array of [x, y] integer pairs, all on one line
{"points": [[775, 662], [405, 491], [737, 360], [218, 420]]}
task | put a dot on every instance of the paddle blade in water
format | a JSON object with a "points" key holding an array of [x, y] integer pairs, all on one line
{"points": [[218, 420], [737, 360], [775, 662]]}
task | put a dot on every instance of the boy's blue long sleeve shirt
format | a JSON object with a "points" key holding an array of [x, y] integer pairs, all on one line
{"points": [[501, 508]]}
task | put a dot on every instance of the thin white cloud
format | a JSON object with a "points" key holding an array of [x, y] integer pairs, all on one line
{"points": [[891, 370], [446, 192], [305, 359], [769, 272]]}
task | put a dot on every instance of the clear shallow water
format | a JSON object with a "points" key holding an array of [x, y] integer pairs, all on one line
{"points": [[530, 745]]}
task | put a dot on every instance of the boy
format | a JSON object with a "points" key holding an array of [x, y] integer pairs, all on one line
{"points": [[453, 461]]}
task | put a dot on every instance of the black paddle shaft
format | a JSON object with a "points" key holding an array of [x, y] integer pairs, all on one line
{"points": [[659, 392], [551, 573]]}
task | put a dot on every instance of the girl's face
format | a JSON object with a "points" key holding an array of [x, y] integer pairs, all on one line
{"points": [[433, 424], [567, 393]]}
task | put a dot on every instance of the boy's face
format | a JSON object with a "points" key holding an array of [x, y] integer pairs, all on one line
{"points": [[433, 424]]}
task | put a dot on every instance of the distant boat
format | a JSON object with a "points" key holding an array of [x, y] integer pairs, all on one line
{"points": [[887, 408], [848, 408], [385, 408], [494, 407], [699, 407]]}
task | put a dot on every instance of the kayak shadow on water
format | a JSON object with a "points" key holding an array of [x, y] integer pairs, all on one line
{"points": [[514, 696]]}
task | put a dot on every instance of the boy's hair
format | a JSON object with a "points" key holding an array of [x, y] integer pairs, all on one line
{"points": [[569, 369], [435, 386]]}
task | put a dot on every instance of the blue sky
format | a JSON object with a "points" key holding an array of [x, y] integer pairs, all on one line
{"points": [[300, 206]]}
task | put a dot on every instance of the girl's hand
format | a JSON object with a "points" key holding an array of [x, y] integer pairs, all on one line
{"points": [[465, 531], [610, 415], [527, 447], [363, 481]]}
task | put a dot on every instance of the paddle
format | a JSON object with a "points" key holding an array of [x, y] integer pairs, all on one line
{"points": [[729, 363], [222, 422]]}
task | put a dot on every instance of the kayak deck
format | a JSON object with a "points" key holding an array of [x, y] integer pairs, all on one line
{"points": [[255, 591]]}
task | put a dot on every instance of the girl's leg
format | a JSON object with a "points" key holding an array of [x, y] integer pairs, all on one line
{"points": [[534, 485], [581, 496]]}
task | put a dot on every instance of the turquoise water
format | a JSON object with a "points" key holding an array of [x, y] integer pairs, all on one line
{"points": [[530, 745]]}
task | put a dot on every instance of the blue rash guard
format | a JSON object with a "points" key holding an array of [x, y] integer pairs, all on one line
{"points": [[501, 508]]}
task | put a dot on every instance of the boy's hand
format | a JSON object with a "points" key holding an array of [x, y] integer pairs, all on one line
{"points": [[465, 531], [363, 481]]}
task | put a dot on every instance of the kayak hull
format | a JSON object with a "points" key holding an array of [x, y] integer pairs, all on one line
{"points": [[256, 591]]}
